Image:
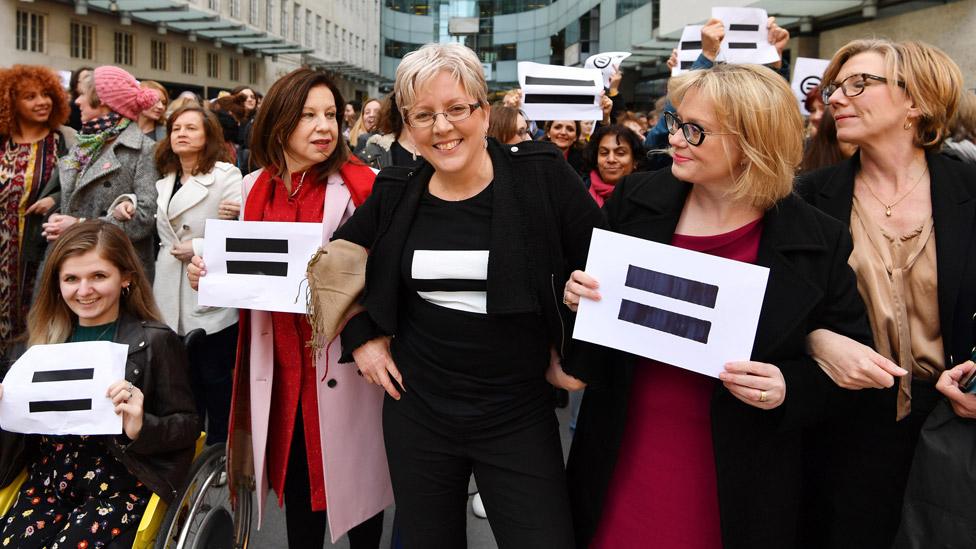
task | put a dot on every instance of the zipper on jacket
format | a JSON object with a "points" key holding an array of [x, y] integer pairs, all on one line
{"points": [[562, 325]]}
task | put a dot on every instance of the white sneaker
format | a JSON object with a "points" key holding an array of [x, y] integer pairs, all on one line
{"points": [[477, 507]]}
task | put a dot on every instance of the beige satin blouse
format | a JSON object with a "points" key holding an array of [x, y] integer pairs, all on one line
{"points": [[896, 277]]}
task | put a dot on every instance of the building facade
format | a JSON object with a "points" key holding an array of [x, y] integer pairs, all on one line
{"points": [[200, 45]]}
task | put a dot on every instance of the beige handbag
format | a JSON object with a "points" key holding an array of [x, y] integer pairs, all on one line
{"points": [[336, 277]]}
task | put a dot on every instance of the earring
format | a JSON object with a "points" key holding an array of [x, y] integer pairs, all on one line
{"points": [[126, 290], [908, 125], [486, 141]]}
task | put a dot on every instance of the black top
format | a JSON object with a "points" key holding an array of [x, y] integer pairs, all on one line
{"points": [[403, 157], [457, 360]]}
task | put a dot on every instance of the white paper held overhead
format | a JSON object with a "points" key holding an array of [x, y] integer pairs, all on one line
{"points": [[257, 264], [689, 48], [60, 389], [684, 308], [807, 75], [746, 36], [607, 63], [552, 92]]}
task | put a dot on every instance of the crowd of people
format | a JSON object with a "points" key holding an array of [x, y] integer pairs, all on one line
{"points": [[470, 225]]}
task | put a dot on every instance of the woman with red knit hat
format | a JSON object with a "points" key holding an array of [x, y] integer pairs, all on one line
{"points": [[110, 174]]}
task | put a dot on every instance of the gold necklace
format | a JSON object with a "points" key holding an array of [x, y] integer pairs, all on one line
{"points": [[299, 186], [888, 207]]}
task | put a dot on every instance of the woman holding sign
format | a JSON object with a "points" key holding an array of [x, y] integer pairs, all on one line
{"points": [[301, 423], [462, 325], [90, 491], [666, 457]]}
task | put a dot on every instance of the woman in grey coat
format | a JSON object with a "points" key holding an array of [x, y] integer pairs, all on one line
{"points": [[110, 174]]}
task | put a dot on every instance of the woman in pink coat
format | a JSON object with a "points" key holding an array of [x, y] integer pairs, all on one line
{"points": [[302, 424]]}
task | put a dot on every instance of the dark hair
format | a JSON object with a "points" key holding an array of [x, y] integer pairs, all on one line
{"points": [[239, 89], [50, 319], [73, 82], [503, 123], [390, 119], [579, 129], [822, 149], [624, 135], [279, 116], [233, 105], [355, 105], [214, 148], [813, 96]]}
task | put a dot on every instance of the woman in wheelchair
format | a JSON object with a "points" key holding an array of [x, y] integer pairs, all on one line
{"points": [[91, 491]]}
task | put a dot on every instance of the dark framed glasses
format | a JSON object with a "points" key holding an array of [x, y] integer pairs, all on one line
{"points": [[853, 85], [693, 133], [454, 113]]}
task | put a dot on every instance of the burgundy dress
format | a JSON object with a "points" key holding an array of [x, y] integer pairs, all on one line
{"points": [[663, 492]]}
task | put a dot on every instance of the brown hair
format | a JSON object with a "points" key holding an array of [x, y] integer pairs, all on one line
{"points": [[19, 78], [822, 149], [233, 105], [214, 148], [279, 115], [964, 123], [390, 120], [931, 78], [153, 85], [503, 123], [50, 319]]}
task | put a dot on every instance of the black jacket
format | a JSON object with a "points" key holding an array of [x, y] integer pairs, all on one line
{"points": [[758, 454], [160, 458], [541, 223]]}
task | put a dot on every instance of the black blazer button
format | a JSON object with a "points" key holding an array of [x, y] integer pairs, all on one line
{"points": [[107, 184], [332, 383]]}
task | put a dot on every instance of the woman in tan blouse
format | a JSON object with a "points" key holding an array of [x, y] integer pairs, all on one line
{"points": [[912, 216]]}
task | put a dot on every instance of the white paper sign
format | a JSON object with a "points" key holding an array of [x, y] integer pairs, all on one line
{"points": [[553, 92], [607, 63], [60, 389], [689, 309], [689, 48], [807, 75], [746, 36], [257, 264]]}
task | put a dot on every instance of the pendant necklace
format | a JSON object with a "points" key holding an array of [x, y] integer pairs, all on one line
{"points": [[299, 186], [888, 207]]}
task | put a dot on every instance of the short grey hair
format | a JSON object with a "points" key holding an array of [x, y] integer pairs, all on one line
{"points": [[420, 66]]}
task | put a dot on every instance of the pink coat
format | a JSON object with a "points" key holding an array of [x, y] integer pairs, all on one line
{"points": [[357, 478]]}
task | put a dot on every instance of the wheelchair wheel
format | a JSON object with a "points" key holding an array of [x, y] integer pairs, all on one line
{"points": [[203, 518]]}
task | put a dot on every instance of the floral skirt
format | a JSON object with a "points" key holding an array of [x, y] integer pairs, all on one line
{"points": [[77, 496]]}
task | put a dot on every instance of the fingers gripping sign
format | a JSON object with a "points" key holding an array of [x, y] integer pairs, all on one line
{"points": [[128, 401], [757, 384]]}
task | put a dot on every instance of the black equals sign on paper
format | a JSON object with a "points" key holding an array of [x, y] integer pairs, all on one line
{"points": [[675, 287], [743, 45], [257, 246], [568, 83], [71, 405]]}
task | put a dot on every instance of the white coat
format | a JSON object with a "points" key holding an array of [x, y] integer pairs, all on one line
{"points": [[180, 219]]}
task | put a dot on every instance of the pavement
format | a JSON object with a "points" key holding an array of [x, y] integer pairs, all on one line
{"points": [[273, 534]]}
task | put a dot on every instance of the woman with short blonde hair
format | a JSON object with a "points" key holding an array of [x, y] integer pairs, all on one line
{"points": [[462, 325], [666, 457], [912, 215]]}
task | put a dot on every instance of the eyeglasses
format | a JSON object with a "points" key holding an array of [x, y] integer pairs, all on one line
{"points": [[693, 133], [454, 113], [852, 86]]}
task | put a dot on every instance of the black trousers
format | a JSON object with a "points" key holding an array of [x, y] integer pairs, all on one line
{"points": [[212, 380], [518, 467], [306, 528]]}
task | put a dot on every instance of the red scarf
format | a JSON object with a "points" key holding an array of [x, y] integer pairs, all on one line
{"points": [[599, 190]]}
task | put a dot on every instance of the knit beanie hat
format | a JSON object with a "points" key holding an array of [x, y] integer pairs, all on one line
{"points": [[120, 91]]}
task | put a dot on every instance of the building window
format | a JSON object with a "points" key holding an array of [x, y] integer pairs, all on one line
{"points": [[123, 48], [214, 5], [235, 9], [30, 31], [235, 69], [328, 43], [284, 19], [157, 55], [252, 12], [213, 65], [308, 28], [252, 72], [296, 24], [82, 40], [188, 61], [269, 16], [318, 31]]}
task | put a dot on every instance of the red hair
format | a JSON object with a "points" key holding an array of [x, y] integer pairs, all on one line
{"points": [[19, 78]]}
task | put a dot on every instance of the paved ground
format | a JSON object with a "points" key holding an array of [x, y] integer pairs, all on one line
{"points": [[272, 535]]}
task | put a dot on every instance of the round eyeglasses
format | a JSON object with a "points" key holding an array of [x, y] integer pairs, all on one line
{"points": [[454, 113], [693, 133], [852, 86]]}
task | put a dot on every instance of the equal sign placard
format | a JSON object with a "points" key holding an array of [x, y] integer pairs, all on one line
{"points": [[257, 246], [552, 92], [60, 389], [680, 307], [746, 36], [689, 48]]}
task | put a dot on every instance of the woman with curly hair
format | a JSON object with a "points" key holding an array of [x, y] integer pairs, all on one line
{"points": [[33, 107]]}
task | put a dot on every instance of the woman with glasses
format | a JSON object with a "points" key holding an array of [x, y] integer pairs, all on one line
{"points": [[912, 215], [666, 457], [462, 323]]}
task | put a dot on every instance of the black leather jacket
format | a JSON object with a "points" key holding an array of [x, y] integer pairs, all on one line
{"points": [[160, 458]]}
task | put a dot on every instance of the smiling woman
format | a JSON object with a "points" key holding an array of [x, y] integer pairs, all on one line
{"points": [[462, 326]]}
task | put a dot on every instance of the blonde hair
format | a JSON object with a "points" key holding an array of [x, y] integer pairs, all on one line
{"points": [[421, 66], [758, 107], [359, 126], [932, 80]]}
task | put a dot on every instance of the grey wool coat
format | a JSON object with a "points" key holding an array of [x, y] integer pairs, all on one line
{"points": [[124, 169]]}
